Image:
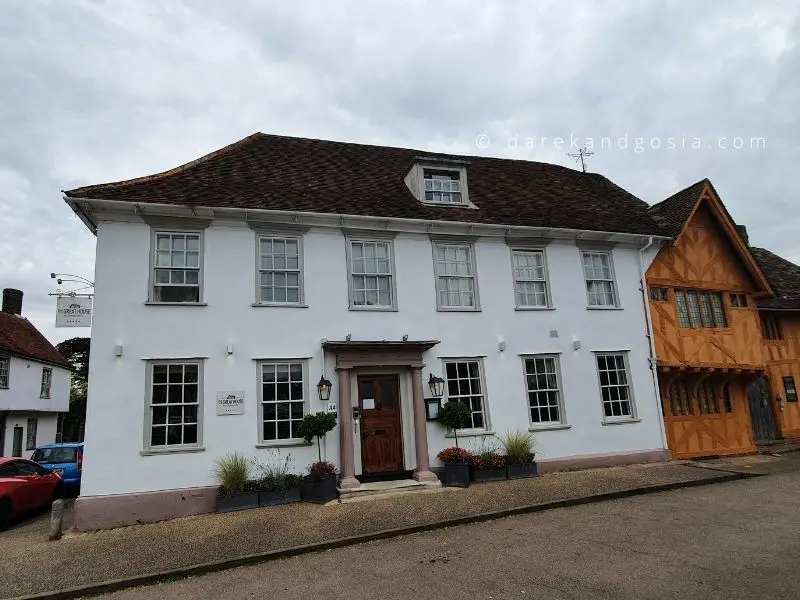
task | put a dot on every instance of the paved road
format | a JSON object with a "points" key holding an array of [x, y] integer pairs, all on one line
{"points": [[725, 541]]}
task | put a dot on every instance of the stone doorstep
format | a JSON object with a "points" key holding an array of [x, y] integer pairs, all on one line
{"points": [[385, 488]]}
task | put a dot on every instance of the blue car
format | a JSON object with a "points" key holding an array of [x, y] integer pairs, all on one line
{"points": [[64, 459]]}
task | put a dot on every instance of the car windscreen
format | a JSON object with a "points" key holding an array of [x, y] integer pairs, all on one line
{"points": [[56, 455]]}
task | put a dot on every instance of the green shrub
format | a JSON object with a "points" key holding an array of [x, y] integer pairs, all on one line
{"points": [[455, 415], [519, 447], [316, 426], [232, 473]]}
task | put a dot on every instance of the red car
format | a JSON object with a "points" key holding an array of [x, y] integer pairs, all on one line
{"points": [[24, 487]]}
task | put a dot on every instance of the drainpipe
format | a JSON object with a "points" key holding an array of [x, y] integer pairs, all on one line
{"points": [[651, 340]]}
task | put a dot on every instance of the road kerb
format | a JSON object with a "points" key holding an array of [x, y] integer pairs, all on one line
{"points": [[270, 555]]}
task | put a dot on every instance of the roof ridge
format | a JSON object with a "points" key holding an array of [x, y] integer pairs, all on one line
{"points": [[197, 161]]}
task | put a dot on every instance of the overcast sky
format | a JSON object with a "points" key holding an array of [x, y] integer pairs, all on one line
{"points": [[96, 91]]}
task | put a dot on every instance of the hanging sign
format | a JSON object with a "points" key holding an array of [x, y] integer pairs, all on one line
{"points": [[74, 311]]}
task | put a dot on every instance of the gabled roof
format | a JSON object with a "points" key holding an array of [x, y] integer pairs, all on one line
{"points": [[783, 276], [305, 175], [18, 336], [674, 213]]}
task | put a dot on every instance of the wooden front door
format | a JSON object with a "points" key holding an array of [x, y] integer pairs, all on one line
{"points": [[381, 433], [17, 443]]}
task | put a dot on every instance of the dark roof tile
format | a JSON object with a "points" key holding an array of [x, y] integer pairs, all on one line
{"points": [[298, 174], [783, 277], [18, 336]]}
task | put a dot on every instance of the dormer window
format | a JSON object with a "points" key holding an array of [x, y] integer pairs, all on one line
{"points": [[439, 182], [442, 186]]}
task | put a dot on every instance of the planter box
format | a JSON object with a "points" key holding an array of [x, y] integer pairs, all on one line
{"points": [[522, 471], [456, 475], [274, 498], [319, 488], [489, 475], [237, 502]]}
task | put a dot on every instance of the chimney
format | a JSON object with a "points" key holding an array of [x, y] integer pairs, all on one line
{"points": [[743, 233], [12, 301]]}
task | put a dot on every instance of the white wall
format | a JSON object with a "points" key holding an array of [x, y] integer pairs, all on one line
{"points": [[115, 419], [25, 385], [45, 430]]}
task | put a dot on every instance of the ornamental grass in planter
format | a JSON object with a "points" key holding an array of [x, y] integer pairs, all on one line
{"points": [[488, 466], [277, 485], [237, 491], [519, 449]]}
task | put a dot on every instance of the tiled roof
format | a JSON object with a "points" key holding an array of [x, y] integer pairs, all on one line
{"points": [[784, 278], [671, 214], [19, 336], [305, 175]]}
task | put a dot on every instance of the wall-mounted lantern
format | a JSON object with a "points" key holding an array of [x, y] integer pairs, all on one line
{"points": [[324, 389], [436, 384]]}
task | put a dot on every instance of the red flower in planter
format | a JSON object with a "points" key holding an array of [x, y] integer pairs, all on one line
{"points": [[322, 468], [454, 456], [498, 461], [477, 462]]}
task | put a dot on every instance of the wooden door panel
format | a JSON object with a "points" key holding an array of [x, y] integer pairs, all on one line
{"points": [[381, 431]]}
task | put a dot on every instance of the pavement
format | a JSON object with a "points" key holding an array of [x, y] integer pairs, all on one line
{"points": [[736, 540], [81, 559]]}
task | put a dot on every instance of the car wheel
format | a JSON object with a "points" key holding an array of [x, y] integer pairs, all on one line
{"points": [[5, 513]]}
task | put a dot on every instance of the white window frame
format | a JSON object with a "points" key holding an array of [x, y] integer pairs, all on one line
{"points": [[350, 240], [5, 371], [515, 251], [47, 382], [294, 441], [470, 246], [559, 390], [458, 189], [612, 279], [154, 259], [300, 269], [484, 393], [31, 433], [148, 447], [633, 416]]}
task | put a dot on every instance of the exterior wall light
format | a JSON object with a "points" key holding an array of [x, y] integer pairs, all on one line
{"points": [[324, 389], [436, 384]]}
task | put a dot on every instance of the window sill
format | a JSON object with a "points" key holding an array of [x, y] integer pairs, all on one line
{"points": [[469, 433], [171, 451], [373, 308], [533, 308], [283, 444], [560, 427], [277, 305], [621, 422], [604, 308], [456, 309], [150, 303]]}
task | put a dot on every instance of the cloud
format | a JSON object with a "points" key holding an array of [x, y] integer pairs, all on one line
{"points": [[99, 91]]}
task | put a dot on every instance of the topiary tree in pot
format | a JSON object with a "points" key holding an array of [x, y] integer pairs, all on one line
{"points": [[320, 483], [455, 415]]}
